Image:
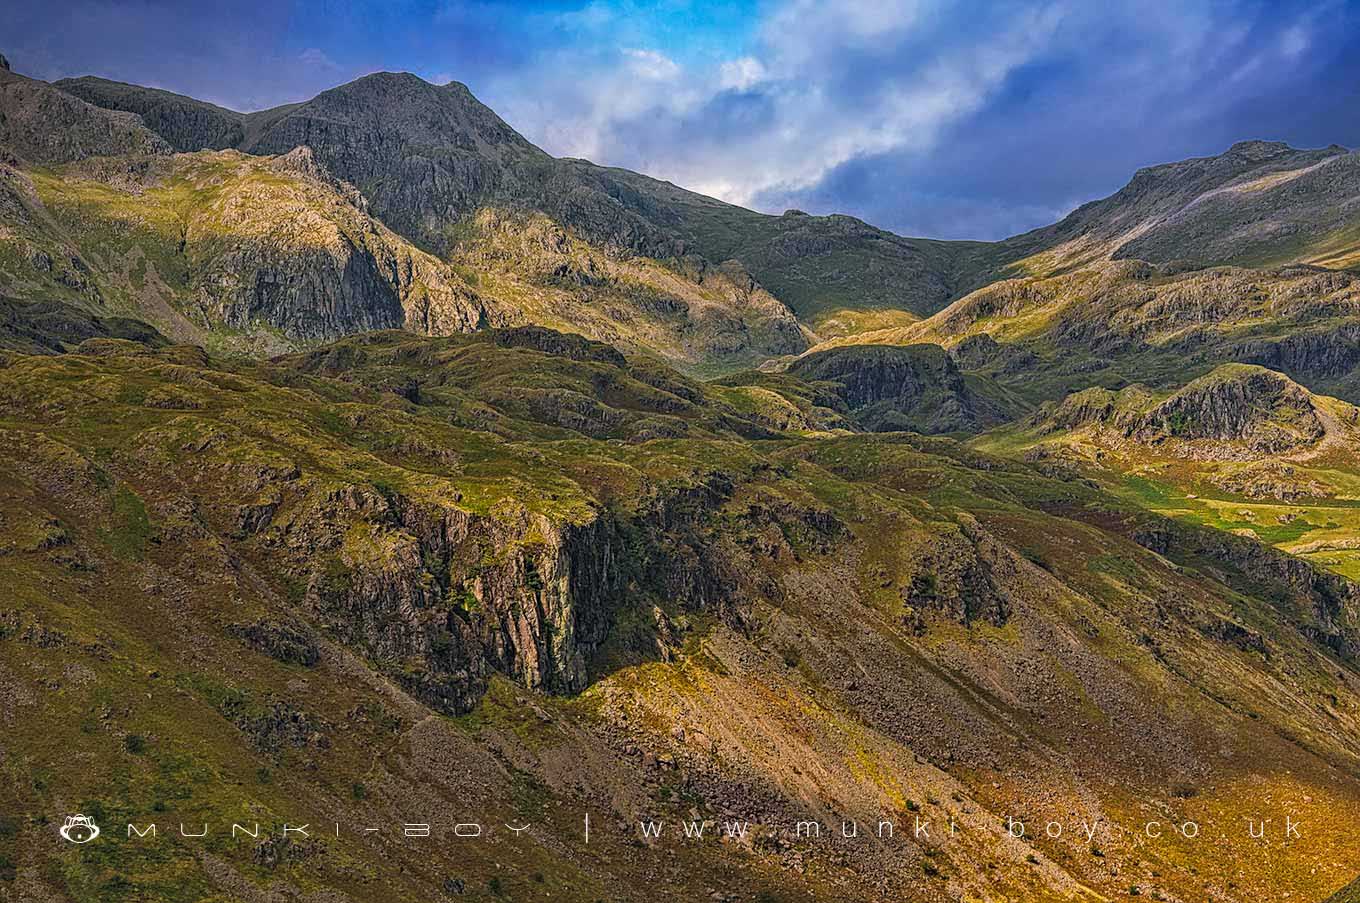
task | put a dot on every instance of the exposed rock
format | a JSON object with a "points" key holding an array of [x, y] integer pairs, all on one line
{"points": [[885, 388], [1236, 410], [1272, 480], [963, 573], [1266, 411], [282, 642], [187, 124], [49, 327], [1330, 612], [44, 125], [467, 595]]}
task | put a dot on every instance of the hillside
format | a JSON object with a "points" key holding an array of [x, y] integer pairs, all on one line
{"points": [[515, 576], [1242, 449], [263, 254], [1245, 257]]}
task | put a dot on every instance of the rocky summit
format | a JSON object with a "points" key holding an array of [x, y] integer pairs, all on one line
{"points": [[390, 510]]}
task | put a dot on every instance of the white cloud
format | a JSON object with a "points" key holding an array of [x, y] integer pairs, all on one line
{"points": [[316, 58], [803, 113], [652, 65], [741, 74]]}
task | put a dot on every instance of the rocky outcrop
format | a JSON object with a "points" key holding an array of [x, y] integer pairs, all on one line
{"points": [[1309, 353], [49, 327], [41, 124], [187, 124], [279, 243], [1237, 409], [982, 352], [1326, 605], [884, 388], [1260, 408], [280, 641], [1272, 480], [444, 598], [962, 573]]}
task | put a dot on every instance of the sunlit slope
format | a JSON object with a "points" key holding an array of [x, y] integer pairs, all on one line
{"points": [[521, 576]]}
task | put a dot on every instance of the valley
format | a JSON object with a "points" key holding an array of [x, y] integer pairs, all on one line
{"points": [[363, 463]]}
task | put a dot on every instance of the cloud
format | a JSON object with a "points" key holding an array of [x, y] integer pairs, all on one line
{"points": [[317, 58], [824, 86], [652, 65], [961, 120], [741, 74]]}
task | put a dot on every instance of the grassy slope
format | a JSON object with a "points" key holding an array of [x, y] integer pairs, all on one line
{"points": [[119, 549], [1304, 499]]}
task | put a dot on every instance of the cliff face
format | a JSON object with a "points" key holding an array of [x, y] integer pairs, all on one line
{"points": [[445, 598], [916, 387], [187, 124], [261, 246], [42, 124]]}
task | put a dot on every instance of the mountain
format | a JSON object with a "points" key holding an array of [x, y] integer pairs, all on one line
{"points": [[429, 158], [1238, 258], [887, 388], [433, 163], [361, 464], [446, 174]]}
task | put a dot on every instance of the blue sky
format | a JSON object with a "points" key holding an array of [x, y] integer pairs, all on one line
{"points": [[951, 120]]}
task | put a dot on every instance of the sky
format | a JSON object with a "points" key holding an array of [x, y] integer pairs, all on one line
{"points": [[949, 120]]}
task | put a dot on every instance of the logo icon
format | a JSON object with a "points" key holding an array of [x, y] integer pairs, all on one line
{"points": [[79, 829]]}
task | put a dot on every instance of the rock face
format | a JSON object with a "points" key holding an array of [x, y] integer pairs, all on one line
{"points": [[445, 599], [269, 243], [1238, 403], [187, 124], [1238, 406], [1327, 605], [42, 125], [916, 387], [48, 327], [459, 597], [963, 574]]}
